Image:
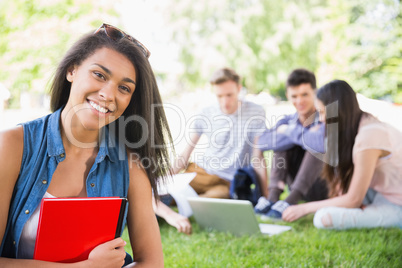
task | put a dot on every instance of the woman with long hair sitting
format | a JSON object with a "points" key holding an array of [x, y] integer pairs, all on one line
{"points": [[363, 166]]}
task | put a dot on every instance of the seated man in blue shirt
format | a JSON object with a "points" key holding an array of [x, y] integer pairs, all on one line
{"points": [[293, 161]]}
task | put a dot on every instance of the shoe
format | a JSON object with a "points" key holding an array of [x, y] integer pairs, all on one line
{"points": [[263, 205], [277, 209]]}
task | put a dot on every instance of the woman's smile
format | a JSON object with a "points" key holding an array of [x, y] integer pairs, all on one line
{"points": [[103, 86], [98, 107]]}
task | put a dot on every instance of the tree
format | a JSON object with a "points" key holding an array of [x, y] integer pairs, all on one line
{"points": [[263, 40], [35, 34], [362, 44], [355, 40]]}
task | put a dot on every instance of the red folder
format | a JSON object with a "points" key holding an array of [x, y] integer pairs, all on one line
{"points": [[69, 228]]}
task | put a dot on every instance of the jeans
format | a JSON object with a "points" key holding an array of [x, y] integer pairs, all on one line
{"points": [[301, 173], [379, 213]]}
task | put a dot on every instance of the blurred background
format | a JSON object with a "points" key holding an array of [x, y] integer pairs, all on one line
{"points": [[359, 41]]}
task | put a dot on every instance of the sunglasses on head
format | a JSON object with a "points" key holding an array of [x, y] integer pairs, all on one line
{"points": [[116, 34]]}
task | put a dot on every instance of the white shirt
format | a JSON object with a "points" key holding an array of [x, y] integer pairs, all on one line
{"points": [[28, 236], [230, 137]]}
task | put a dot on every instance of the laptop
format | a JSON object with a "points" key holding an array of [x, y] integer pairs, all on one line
{"points": [[228, 215]]}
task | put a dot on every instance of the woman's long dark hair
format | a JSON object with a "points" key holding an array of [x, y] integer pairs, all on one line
{"points": [[342, 109], [151, 131]]}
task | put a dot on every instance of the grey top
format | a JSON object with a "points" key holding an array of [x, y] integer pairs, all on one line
{"points": [[230, 137]]}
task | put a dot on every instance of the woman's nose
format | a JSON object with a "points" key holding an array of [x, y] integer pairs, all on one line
{"points": [[107, 92]]}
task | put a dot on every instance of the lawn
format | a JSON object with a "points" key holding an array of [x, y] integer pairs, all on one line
{"points": [[303, 246]]}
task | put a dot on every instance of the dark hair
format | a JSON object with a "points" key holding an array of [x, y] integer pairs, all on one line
{"points": [[145, 102], [301, 76], [342, 108], [225, 74]]}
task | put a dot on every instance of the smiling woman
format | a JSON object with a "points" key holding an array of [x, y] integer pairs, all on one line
{"points": [[102, 87], [105, 101]]}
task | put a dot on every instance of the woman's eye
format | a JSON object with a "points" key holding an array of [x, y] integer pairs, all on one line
{"points": [[126, 89], [99, 75]]}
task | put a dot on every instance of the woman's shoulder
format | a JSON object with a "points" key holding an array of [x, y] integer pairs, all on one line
{"points": [[38, 122], [35, 131], [12, 137], [368, 119], [373, 134], [370, 125], [11, 144], [15, 141]]}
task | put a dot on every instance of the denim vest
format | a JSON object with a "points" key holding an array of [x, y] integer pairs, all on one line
{"points": [[43, 150]]}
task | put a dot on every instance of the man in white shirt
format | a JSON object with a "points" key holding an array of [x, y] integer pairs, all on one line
{"points": [[231, 127]]}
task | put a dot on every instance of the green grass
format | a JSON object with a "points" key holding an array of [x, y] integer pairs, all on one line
{"points": [[303, 246]]}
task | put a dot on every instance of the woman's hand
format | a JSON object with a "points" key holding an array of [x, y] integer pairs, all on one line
{"points": [[294, 212], [108, 255], [181, 223]]}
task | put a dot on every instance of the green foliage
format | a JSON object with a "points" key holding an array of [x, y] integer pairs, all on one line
{"points": [[355, 40], [254, 37], [368, 46], [34, 36], [303, 246]]}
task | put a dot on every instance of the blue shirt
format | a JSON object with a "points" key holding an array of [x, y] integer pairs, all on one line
{"points": [[43, 151], [311, 137]]}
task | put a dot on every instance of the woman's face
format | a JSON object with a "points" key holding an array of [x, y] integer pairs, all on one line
{"points": [[320, 107], [101, 88]]}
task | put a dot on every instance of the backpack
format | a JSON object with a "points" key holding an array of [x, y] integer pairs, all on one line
{"points": [[245, 185]]}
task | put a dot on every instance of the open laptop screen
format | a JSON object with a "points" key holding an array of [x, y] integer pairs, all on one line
{"points": [[228, 215]]}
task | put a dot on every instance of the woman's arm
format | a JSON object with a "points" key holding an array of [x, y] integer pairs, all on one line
{"points": [[11, 150], [142, 224], [365, 162]]}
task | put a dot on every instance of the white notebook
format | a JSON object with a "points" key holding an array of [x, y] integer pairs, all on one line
{"points": [[178, 187]]}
